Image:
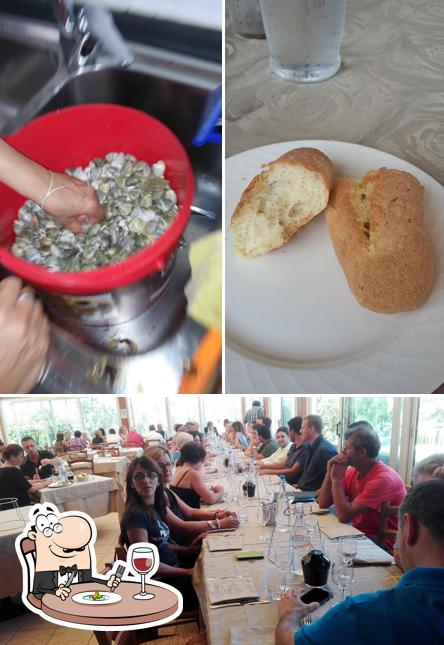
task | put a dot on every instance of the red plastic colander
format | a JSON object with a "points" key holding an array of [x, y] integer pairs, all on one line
{"points": [[72, 137]]}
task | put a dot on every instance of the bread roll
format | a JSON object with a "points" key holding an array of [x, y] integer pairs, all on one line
{"points": [[378, 233], [287, 194]]}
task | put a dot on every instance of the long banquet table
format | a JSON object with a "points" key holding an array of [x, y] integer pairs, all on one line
{"points": [[255, 623], [115, 467]]}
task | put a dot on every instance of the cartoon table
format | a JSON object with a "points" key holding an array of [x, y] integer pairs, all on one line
{"points": [[126, 611]]}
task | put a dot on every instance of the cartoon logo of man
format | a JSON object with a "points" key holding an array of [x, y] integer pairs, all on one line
{"points": [[58, 560], [63, 554]]}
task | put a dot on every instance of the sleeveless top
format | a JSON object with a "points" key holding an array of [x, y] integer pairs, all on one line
{"points": [[188, 495]]}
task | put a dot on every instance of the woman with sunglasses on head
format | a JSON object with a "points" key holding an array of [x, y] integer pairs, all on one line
{"points": [[184, 521], [145, 520]]}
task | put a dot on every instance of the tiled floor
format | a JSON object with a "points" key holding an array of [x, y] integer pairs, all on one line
{"points": [[30, 629]]}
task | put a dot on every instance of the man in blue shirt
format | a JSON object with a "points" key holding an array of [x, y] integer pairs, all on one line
{"points": [[320, 451], [410, 613]]}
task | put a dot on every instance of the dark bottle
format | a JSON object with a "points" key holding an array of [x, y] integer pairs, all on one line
{"points": [[315, 567]]}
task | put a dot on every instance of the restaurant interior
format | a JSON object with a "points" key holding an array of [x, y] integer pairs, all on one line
{"points": [[253, 532]]}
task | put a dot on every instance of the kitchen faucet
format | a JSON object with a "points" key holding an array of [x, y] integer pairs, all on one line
{"points": [[84, 33]]}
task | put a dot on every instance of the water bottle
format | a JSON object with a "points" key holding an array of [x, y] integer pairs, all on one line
{"points": [[252, 467], [282, 508]]}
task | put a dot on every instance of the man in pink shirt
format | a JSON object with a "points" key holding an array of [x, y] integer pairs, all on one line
{"points": [[134, 437], [357, 483]]}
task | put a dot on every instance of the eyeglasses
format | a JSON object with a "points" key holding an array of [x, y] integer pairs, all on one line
{"points": [[166, 465], [141, 476]]}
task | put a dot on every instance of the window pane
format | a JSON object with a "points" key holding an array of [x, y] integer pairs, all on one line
{"points": [[148, 412], [287, 410], [184, 408], [377, 410], [100, 412], [329, 408], [430, 433], [30, 417], [218, 408]]}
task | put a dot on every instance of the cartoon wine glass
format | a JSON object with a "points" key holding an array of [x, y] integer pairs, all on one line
{"points": [[142, 560]]}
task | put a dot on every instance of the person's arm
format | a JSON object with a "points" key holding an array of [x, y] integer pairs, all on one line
{"points": [[345, 510], [325, 497], [197, 514], [25, 337], [207, 495], [76, 200], [38, 485], [164, 570]]}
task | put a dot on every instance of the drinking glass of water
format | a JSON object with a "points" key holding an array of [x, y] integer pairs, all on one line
{"points": [[304, 37]]}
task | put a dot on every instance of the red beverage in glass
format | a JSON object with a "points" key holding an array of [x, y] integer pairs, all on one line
{"points": [[142, 565]]}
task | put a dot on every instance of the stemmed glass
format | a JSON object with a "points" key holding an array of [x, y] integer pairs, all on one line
{"points": [[142, 561], [348, 548], [342, 576]]}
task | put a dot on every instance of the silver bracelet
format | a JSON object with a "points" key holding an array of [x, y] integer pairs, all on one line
{"points": [[51, 190]]}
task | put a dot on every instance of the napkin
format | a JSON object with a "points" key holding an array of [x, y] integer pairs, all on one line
{"points": [[369, 553], [224, 542], [231, 589]]}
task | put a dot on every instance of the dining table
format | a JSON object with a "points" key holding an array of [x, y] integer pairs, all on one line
{"points": [[115, 467], [255, 621], [384, 107], [95, 495]]}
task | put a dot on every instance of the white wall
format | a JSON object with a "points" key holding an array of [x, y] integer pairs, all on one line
{"points": [[202, 13]]}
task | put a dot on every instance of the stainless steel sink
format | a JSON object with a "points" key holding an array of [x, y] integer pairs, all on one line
{"points": [[27, 63]]}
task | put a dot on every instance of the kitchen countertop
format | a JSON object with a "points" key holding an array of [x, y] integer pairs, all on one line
{"points": [[388, 94]]}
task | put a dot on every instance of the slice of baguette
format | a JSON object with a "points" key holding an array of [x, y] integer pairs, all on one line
{"points": [[377, 228], [287, 194]]}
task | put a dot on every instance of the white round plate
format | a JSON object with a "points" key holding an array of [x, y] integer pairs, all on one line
{"points": [[292, 324], [84, 598], [60, 484]]}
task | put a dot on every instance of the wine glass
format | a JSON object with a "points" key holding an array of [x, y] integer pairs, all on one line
{"points": [[348, 548], [342, 576], [142, 561]]}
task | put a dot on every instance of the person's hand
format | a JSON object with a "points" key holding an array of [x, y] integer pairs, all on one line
{"points": [[231, 522], [113, 582], [197, 542], [73, 205], [223, 512], [63, 592], [338, 471], [291, 603], [217, 489], [25, 337], [44, 462]]}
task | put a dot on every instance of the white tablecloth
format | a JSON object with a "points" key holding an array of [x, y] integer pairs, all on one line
{"points": [[10, 570], [115, 467], [97, 496], [131, 453]]}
